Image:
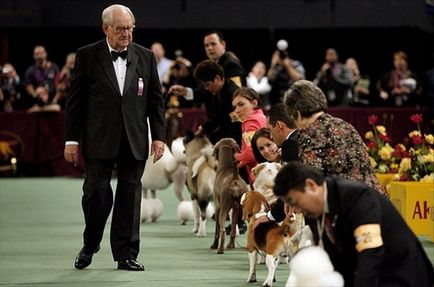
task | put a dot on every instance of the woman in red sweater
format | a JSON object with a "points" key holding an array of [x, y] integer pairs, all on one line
{"points": [[247, 107]]}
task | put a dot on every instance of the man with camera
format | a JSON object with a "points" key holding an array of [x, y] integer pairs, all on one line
{"points": [[283, 72]]}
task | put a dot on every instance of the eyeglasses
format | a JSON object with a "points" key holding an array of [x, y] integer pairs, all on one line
{"points": [[120, 30]]}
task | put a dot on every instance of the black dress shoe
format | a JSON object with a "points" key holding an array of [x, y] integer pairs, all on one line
{"points": [[84, 259], [130, 265]]}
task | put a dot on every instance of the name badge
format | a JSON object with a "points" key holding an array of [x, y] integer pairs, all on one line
{"points": [[140, 87]]}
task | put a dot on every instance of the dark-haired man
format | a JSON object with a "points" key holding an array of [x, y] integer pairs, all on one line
{"points": [[366, 238]]}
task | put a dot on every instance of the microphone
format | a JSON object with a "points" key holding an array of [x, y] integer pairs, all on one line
{"points": [[282, 46]]}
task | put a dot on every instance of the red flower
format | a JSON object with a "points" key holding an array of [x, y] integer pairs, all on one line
{"points": [[416, 118], [371, 145], [385, 138], [417, 140], [372, 120]]}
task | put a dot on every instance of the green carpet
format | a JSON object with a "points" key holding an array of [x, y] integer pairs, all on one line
{"points": [[41, 226]]}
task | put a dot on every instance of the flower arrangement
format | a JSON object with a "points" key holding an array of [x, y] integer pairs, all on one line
{"points": [[417, 163], [384, 158]]}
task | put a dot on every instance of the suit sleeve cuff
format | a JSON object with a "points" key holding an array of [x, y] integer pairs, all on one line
{"points": [[71, 143]]}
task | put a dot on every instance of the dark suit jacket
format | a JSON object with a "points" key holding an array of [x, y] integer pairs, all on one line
{"points": [[289, 150], [218, 107], [96, 109], [401, 261]]}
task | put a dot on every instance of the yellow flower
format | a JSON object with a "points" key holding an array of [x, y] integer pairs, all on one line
{"points": [[414, 133], [385, 152], [428, 178], [394, 165], [428, 158], [429, 139], [405, 165], [381, 129], [369, 135], [373, 162]]}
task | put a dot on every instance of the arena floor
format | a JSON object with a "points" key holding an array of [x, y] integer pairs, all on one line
{"points": [[41, 227]]}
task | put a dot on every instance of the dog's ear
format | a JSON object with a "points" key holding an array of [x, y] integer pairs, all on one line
{"points": [[216, 150], [279, 166], [189, 135], [257, 169]]}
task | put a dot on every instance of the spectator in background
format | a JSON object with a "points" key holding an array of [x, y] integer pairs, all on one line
{"points": [[42, 73], [335, 80], [163, 64], [258, 81], [181, 73], [283, 72], [43, 102], [63, 80], [360, 93], [11, 88], [215, 48], [400, 86], [429, 88]]}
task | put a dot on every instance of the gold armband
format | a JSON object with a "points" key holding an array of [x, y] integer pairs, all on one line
{"points": [[368, 236]]}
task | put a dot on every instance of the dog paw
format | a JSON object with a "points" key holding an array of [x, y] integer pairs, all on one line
{"points": [[230, 245], [267, 284], [251, 279]]}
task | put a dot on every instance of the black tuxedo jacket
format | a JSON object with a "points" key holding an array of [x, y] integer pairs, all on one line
{"points": [[96, 109]]}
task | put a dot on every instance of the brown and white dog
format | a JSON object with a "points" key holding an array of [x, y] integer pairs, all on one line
{"points": [[228, 189], [201, 175], [271, 238]]}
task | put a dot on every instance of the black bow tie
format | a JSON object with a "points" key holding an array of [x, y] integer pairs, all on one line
{"points": [[122, 54]]}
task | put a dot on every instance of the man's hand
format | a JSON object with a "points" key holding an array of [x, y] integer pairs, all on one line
{"points": [[259, 220], [177, 90], [157, 150], [71, 154]]}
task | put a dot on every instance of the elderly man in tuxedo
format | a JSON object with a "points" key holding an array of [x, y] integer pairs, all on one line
{"points": [[115, 89]]}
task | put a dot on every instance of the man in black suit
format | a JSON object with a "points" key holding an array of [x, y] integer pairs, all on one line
{"points": [[367, 240], [115, 89], [285, 135]]}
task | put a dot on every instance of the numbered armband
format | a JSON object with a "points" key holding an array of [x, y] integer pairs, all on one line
{"points": [[368, 236]]}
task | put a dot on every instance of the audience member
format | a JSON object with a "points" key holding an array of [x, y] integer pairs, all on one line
{"points": [[429, 88], [283, 72], [42, 73], [181, 73], [335, 80], [163, 64], [215, 48], [11, 88], [400, 86], [63, 80], [327, 143], [367, 240], [258, 81], [43, 102], [247, 107], [360, 92]]}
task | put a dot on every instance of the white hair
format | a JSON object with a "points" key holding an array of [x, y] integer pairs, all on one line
{"points": [[107, 13]]}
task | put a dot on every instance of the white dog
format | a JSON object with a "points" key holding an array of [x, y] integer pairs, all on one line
{"points": [[311, 266]]}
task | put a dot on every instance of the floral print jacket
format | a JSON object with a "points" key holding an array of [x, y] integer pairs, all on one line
{"points": [[335, 147]]}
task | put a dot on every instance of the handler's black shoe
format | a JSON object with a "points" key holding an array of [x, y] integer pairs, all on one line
{"points": [[130, 265], [84, 259]]}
